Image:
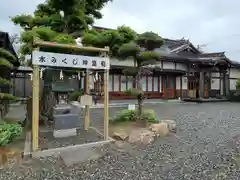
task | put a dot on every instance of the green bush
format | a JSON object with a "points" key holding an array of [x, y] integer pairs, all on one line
{"points": [[75, 95], [238, 83], [8, 132], [149, 115], [131, 115]]}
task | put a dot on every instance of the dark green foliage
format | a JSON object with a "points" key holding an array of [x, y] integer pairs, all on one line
{"points": [[149, 116], [5, 96], [149, 41], [5, 81], [75, 95], [114, 39], [132, 115], [238, 84], [127, 50], [58, 21], [6, 59], [125, 115], [8, 132]]}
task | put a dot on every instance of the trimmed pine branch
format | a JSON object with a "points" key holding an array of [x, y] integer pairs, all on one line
{"points": [[6, 96], [128, 50], [4, 81], [6, 54], [5, 62]]}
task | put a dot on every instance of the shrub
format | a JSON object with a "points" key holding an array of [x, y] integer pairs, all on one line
{"points": [[238, 83], [75, 95], [131, 115], [149, 115], [125, 115], [8, 132]]}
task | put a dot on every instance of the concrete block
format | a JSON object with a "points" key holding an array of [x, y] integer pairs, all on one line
{"points": [[65, 133], [64, 109], [66, 121]]}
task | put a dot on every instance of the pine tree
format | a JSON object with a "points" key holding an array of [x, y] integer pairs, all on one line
{"points": [[7, 60]]}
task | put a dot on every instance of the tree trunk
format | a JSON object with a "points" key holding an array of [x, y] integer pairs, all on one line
{"points": [[140, 94], [48, 101]]}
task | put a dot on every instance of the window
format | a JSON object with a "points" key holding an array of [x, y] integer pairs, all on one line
{"points": [[155, 88], [171, 82], [150, 83], [144, 83], [129, 82], [123, 83], [164, 80], [116, 83]]}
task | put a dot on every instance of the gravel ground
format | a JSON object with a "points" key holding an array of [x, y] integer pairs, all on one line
{"points": [[205, 147], [48, 141]]}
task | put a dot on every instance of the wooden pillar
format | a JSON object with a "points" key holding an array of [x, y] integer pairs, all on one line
{"points": [[220, 83], [87, 108], [181, 95], [35, 108], [188, 71], [167, 86], [210, 84], [224, 83], [201, 84], [227, 84], [106, 114]]}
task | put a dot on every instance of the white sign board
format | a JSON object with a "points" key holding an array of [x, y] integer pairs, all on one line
{"points": [[131, 107], [68, 60], [86, 100]]}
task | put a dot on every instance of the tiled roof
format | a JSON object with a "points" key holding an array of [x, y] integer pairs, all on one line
{"points": [[173, 44], [216, 54]]}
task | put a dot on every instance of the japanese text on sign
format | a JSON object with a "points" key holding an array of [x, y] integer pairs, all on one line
{"points": [[67, 60]]}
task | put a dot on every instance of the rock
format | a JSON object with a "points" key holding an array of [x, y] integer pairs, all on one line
{"points": [[142, 136], [171, 125], [160, 129], [120, 136]]}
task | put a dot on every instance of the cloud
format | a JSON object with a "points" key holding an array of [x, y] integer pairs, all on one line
{"points": [[214, 22]]}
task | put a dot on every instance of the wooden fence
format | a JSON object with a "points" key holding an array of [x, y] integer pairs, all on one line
{"points": [[22, 86]]}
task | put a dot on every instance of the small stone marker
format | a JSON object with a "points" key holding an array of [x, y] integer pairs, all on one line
{"points": [[86, 100], [131, 107], [65, 122]]}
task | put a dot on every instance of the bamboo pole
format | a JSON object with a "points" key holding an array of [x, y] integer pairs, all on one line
{"points": [[35, 108], [87, 108], [39, 43], [106, 114]]}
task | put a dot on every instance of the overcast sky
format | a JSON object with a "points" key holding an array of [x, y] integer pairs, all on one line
{"points": [[212, 22]]}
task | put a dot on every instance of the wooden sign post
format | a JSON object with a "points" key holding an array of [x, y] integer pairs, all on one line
{"points": [[46, 59]]}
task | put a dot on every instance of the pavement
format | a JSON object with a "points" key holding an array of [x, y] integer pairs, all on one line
{"points": [[125, 103]]}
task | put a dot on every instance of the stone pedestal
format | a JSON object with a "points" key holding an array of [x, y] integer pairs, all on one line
{"points": [[66, 121]]}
